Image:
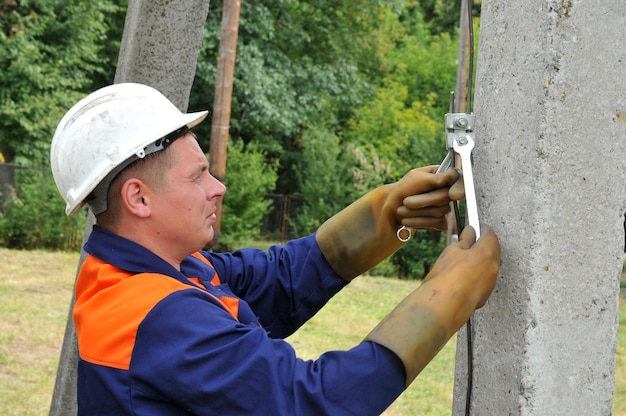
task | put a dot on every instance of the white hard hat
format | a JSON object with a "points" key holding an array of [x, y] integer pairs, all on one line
{"points": [[107, 130]]}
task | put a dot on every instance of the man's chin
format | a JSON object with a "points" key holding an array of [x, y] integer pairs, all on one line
{"points": [[210, 242]]}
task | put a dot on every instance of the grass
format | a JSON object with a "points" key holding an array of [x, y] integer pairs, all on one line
{"points": [[35, 291], [350, 316]]}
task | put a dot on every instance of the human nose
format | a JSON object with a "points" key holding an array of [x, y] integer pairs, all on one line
{"points": [[215, 188]]}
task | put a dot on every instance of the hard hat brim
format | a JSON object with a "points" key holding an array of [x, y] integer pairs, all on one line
{"points": [[193, 119]]}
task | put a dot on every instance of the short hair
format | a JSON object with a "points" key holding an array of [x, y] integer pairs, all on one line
{"points": [[151, 169]]}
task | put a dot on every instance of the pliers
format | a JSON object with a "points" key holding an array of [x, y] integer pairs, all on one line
{"points": [[459, 140]]}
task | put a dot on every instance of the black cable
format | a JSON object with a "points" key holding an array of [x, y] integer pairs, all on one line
{"points": [[470, 366], [468, 325]]}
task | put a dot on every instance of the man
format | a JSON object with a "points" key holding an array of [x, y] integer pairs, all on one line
{"points": [[166, 329]]}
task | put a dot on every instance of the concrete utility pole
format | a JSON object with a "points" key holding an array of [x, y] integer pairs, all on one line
{"points": [[550, 169], [160, 47], [223, 99]]}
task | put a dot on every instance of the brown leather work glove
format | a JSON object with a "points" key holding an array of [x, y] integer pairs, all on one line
{"points": [[459, 283], [364, 233], [424, 210]]}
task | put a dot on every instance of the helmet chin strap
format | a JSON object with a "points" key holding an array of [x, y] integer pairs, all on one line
{"points": [[97, 200]]}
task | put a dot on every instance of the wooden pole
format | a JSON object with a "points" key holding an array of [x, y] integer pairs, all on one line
{"points": [[223, 99]]}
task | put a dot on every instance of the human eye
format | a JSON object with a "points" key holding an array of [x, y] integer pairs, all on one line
{"points": [[201, 174]]}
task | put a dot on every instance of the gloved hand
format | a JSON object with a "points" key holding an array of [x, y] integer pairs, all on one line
{"points": [[417, 211], [364, 233], [460, 282]]}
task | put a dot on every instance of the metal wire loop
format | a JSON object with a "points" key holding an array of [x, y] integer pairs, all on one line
{"points": [[409, 233]]}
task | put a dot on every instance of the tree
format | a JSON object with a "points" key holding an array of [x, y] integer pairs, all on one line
{"points": [[34, 219], [53, 52], [297, 69], [49, 57], [404, 120], [249, 178], [332, 88]]}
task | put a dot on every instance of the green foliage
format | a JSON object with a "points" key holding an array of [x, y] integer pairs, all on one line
{"points": [[49, 56], [35, 217], [427, 66], [331, 97], [403, 137], [417, 257], [404, 121], [442, 15], [370, 170], [324, 183], [298, 68], [248, 179], [109, 48]]}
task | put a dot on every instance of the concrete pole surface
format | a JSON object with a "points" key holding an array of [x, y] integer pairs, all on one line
{"points": [[550, 172], [160, 48]]}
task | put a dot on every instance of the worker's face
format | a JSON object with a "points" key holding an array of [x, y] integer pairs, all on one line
{"points": [[186, 208]]}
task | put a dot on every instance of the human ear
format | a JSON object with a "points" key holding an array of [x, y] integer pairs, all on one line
{"points": [[134, 198]]}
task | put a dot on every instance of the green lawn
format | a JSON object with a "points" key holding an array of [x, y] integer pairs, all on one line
{"points": [[35, 291]]}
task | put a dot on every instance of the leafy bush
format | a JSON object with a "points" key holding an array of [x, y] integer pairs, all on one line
{"points": [[35, 217], [51, 52], [324, 177], [248, 178], [415, 260]]}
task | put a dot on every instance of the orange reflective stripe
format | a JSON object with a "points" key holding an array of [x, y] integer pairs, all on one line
{"points": [[196, 281], [111, 304], [231, 304], [216, 279]]}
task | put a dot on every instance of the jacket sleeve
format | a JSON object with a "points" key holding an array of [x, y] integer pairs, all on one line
{"points": [[284, 286], [190, 351]]}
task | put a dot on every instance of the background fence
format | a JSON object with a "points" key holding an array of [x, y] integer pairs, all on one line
{"points": [[7, 180], [278, 223]]}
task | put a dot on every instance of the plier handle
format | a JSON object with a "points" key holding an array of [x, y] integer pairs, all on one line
{"points": [[459, 140]]}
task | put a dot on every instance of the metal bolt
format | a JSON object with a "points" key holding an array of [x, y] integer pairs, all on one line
{"points": [[462, 140], [462, 122]]}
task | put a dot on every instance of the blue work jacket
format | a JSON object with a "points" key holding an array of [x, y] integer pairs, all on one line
{"points": [[207, 340]]}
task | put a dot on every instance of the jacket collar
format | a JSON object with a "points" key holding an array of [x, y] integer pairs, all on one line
{"points": [[132, 257]]}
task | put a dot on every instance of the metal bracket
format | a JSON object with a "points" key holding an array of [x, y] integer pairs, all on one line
{"points": [[458, 125]]}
